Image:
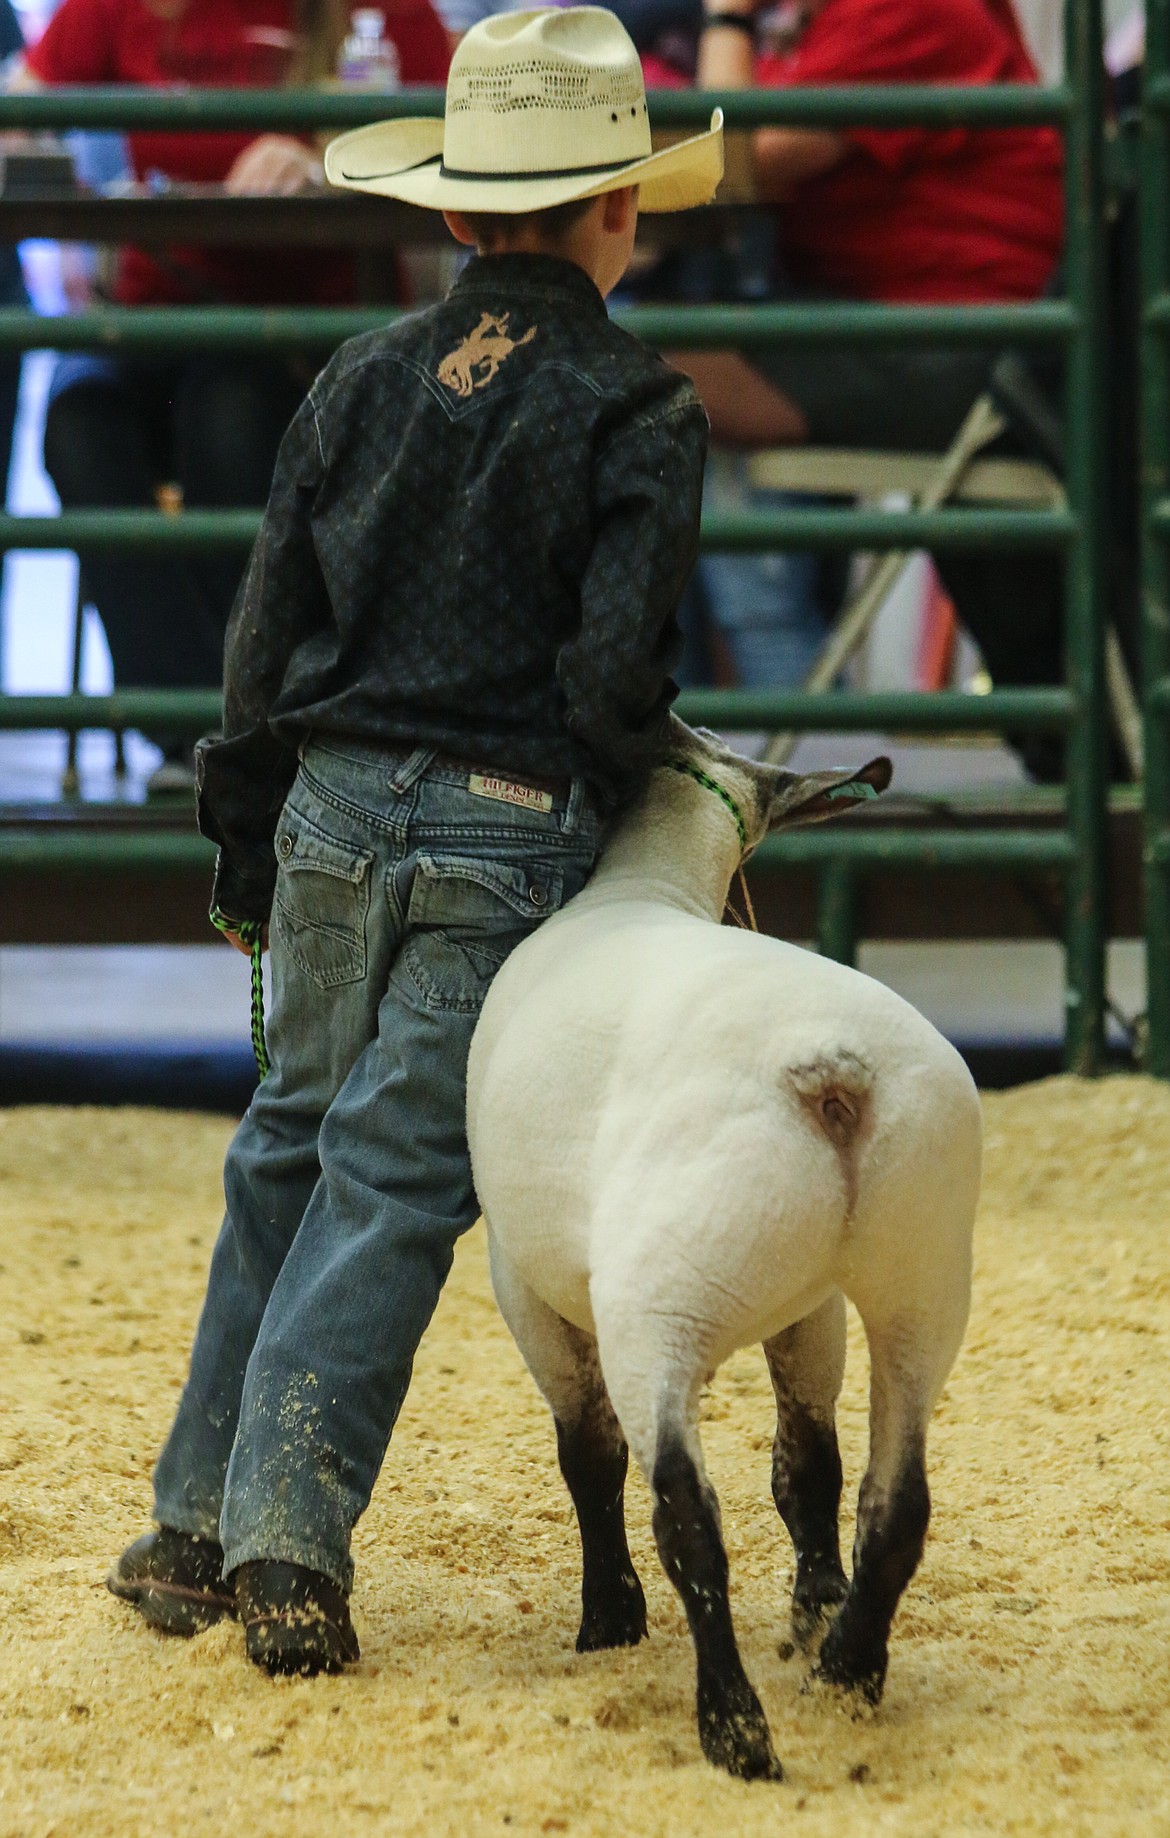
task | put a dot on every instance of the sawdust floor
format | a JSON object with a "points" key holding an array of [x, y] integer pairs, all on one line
{"points": [[1029, 1688]]}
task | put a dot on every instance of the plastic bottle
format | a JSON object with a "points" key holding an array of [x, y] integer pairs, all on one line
{"points": [[368, 58]]}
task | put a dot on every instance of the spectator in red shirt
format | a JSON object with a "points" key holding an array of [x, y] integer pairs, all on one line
{"points": [[119, 430], [899, 215]]}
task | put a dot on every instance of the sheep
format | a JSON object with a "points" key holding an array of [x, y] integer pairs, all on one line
{"points": [[685, 1140]]}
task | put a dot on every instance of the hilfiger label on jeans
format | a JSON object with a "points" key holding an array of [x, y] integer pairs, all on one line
{"points": [[507, 791]]}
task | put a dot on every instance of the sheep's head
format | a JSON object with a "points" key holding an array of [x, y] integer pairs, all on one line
{"points": [[770, 797]]}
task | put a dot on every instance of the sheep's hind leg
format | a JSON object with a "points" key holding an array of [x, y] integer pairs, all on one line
{"points": [[893, 1512], [807, 1363], [733, 1729], [592, 1453], [655, 1349]]}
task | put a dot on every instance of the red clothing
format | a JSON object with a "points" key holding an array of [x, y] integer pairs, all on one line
{"points": [[215, 44], [921, 214]]}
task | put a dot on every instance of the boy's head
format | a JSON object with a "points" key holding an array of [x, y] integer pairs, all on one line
{"points": [[595, 233], [545, 145]]}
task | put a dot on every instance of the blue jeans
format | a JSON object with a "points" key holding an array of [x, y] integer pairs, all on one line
{"points": [[399, 894]]}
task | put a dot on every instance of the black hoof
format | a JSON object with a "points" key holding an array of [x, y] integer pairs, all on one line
{"points": [[863, 1675], [618, 1621], [738, 1739]]}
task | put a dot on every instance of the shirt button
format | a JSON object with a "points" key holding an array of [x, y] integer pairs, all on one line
{"points": [[537, 895], [285, 846]]}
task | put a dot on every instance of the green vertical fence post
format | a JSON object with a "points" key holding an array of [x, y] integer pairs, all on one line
{"points": [[1155, 407], [1085, 559], [837, 914]]}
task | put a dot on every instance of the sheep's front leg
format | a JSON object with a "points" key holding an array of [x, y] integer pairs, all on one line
{"points": [[592, 1453], [733, 1729], [807, 1363]]}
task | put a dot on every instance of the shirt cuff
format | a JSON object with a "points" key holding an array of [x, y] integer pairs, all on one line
{"points": [[242, 893]]}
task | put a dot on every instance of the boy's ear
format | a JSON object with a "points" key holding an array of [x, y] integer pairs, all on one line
{"points": [[617, 206], [811, 796], [459, 227]]}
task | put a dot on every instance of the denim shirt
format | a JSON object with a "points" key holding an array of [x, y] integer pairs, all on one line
{"points": [[480, 525]]}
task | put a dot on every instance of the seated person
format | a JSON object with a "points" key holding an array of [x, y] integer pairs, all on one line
{"points": [[119, 431], [927, 215]]}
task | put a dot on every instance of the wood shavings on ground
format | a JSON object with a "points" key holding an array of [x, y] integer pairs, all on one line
{"points": [[1029, 1687]]}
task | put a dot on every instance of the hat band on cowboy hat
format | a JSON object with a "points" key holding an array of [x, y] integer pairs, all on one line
{"points": [[542, 108]]}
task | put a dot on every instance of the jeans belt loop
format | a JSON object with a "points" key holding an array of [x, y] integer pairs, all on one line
{"points": [[412, 769]]}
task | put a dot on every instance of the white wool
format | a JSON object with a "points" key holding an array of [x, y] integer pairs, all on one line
{"points": [[685, 1138]]}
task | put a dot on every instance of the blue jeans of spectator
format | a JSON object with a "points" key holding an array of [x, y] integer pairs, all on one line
{"points": [[399, 894], [767, 607]]}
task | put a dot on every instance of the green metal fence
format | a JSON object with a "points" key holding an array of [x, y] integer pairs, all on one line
{"points": [[1155, 233], [843, 854]]}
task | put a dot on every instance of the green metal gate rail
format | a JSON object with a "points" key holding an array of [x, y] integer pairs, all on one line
{"points": [[903, 105], [787, 529], [948, 712], [227, 328], [1074, 849]]}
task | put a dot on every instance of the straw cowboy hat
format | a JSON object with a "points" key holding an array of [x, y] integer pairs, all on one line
{"points": [[542, 108]]}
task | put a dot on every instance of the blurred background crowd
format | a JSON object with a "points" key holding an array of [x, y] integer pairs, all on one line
{"points": [[893, 215]]}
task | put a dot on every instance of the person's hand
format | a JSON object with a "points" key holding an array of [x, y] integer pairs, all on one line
{"points": [[274, 166], [238, 944]]}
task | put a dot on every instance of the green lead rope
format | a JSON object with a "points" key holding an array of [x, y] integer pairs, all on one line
{"points": [[709, 784], [250, 932]]}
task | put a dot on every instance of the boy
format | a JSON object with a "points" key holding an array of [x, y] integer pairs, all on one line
{"points": [[447, 661]]}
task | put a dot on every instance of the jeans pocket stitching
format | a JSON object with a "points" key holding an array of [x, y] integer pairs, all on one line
{"points": [[348, 938]]}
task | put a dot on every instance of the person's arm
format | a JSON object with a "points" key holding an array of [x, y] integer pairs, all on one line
{"points": [[245, 774], [279, 165], [274, 166], [615, 673], [782, 158]]}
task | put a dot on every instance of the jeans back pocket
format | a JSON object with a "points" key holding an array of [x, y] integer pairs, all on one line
{"points": [[465, 914], [322, 899]]}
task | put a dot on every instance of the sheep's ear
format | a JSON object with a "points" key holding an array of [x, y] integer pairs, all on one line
{"points": [[811, 796]]}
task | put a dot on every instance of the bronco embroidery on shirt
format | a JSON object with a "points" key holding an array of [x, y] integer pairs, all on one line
{"points": [[474, 363]]}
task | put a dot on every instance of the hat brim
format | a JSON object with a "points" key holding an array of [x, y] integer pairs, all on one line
{"points": [[403, 159]]}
